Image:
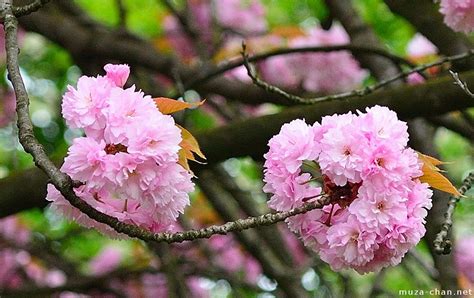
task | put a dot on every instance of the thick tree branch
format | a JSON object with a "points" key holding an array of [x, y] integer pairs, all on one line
{"points": [[455, 125]]}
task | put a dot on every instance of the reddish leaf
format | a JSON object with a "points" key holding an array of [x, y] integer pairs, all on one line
{"points": [[169, 105]]}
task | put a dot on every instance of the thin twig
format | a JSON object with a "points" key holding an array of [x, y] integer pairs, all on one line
{"points": [[286, 51], [344, 95], [442, 245], [461, 84], [29, 8], [65, 184]]}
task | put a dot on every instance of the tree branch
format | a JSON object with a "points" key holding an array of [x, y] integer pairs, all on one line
{"points": [[65, 185], [271, 265], [435, 97], [29, 8], [344, 95], [455, 125], [355, 49], [460, 83], [442, 244]]}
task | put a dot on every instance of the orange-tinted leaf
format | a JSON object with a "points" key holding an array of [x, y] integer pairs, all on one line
{"points": [[169, 105], [183, 161], [190, 144], [432, 175], [430, 159], [288, 31]]}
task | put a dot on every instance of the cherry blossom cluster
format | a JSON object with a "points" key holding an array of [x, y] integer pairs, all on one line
{"points": [[361, 164], [127, 161], [458, 14]]}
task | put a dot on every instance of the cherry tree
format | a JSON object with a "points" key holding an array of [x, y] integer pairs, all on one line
{"points": [[210, 148]]}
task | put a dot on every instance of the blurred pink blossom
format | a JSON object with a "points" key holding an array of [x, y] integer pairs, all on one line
{"points": [[458, 14], [464, 257], [315, 72], [106, 261], [230, 256], [420, 46], [7, 107]]}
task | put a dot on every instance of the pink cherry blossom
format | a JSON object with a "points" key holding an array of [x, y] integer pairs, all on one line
{"points": [[127, 107], [86, 160], [342, 152], [352, 242], [159, 139], [13, 229], [118, 74], [10, 276], [83, 107], [458, 14], [380, 123], [235, 17], [378, 209], [288, 150], [415, 79]]}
